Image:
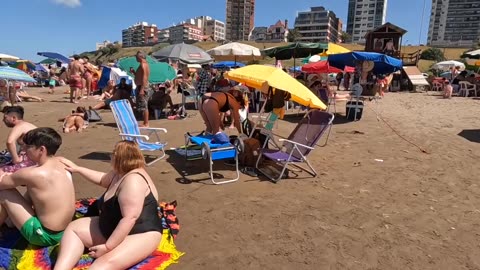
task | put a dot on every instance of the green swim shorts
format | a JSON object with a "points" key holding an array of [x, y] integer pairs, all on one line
{"points": [[37, 235]]}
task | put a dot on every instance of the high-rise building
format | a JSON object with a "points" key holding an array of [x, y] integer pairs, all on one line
{"points": [[240, 19], [364, 16], [317, 25], [140, 34], [454, 23]]}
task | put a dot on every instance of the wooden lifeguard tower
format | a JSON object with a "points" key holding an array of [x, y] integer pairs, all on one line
{"points": [[385, 37]]}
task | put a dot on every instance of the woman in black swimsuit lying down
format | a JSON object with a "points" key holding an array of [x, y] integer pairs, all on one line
{"points": [[214, 103], [128, 228]]}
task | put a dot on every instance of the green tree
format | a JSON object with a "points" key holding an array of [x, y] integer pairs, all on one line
{"points": [[434, 54], [293, 35], [345, 37]]}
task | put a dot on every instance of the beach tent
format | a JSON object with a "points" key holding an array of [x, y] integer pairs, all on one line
{"points": [[227, 64], [159, 71], [320, 67], [383, 64], [112, 73], [54, 55]]}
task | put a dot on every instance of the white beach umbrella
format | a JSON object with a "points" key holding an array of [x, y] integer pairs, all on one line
{"points": [[445, 65], [7, 57], [235, 51]]}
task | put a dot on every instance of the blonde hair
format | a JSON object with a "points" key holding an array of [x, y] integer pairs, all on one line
{"points": [[127, 157]]}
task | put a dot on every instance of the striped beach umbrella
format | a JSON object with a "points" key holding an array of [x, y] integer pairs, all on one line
{"points": [[13, 74]]}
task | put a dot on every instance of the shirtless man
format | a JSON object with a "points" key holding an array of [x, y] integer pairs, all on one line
{"points": [[75, 71], [13, 118], [141, 80], [48, 205]]}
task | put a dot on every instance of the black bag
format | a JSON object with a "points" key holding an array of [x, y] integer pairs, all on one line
{"points": [[269, 103], [93, 116]]}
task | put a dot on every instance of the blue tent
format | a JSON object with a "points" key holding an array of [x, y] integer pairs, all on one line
{"points": [[384, 64], [227, 64], [40, 68], [55, 56], [295, 69]]}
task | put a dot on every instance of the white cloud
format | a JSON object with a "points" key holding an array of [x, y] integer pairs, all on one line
{"points": [[69, 3]]}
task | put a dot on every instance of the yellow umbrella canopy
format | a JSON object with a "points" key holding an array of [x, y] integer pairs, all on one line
{"points": [[335, 49], [262, 77]]}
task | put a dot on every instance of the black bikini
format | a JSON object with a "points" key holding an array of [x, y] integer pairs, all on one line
{"points": [[226, 106], [111, 214]]}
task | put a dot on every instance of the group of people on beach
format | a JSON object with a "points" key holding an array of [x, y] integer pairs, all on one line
{"points": [[37, 197]]}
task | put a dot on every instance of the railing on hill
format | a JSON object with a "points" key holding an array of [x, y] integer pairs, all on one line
{"points": [[410, 59]]}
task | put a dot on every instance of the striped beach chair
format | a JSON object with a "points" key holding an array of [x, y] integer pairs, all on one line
{"points": [[129, 129]]}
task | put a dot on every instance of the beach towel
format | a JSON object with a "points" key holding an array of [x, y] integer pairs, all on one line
{"points": [[16, 253]]}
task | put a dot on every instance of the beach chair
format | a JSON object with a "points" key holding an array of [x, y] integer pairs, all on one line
{"points": [[264, 124], [466, 87], [299, 144], [129, 129], [212, 152]]}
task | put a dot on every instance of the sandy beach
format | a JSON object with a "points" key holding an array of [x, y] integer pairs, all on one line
{"points": [[396, 190]]}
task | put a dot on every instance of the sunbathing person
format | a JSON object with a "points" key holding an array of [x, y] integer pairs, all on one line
{"points": [[121, 91], [13, 118], [22, 94], [107, 92], [75, 121], [48, 206], [128, 228]]}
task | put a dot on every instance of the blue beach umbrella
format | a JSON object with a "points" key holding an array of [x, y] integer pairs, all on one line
{"points": [[13, 74]]}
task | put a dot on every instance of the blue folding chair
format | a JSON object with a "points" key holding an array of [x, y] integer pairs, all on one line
{"points": [[129, 129], [213, 151]]}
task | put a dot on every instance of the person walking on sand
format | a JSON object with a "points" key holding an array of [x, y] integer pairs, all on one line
{"points": [[141, 80], [49, 203], [75, 71], [88, 75]]}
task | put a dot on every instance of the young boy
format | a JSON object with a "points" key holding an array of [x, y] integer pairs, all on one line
{"points": [[48, 205]]}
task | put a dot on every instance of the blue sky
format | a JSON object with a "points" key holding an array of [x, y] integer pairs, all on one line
{"points": [[74, 26]]}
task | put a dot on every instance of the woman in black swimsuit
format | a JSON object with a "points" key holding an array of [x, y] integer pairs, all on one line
{"points": [[214, 103], [128, 228]]}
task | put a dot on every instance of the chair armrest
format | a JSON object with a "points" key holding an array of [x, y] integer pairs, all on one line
{"points": [[135, 136], [299, 144], [153, 129]]}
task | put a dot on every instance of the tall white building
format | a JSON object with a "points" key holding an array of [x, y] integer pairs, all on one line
{"points": [[364, 16], [454, 23]]}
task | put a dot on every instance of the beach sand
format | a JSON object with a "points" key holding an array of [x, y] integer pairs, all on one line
{"points": [[397, 191]]}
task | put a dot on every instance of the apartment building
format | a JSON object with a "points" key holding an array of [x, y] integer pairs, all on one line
{"points": [[317, 25], [364, 16], [454, 23], [211, 28], [140, 34], [239, 19], [187, 33]]}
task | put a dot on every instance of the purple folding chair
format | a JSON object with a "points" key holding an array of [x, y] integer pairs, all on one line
{"points": [[299, 144]]}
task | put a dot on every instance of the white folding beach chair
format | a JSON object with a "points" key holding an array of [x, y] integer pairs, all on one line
{"points": [[129, 129]]}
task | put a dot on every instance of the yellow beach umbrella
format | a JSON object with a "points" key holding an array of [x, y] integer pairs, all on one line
{"points": [[262, 77], [334, 49]]}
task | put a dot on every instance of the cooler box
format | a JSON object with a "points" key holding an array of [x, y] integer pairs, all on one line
{"points": [[352, 107]]}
